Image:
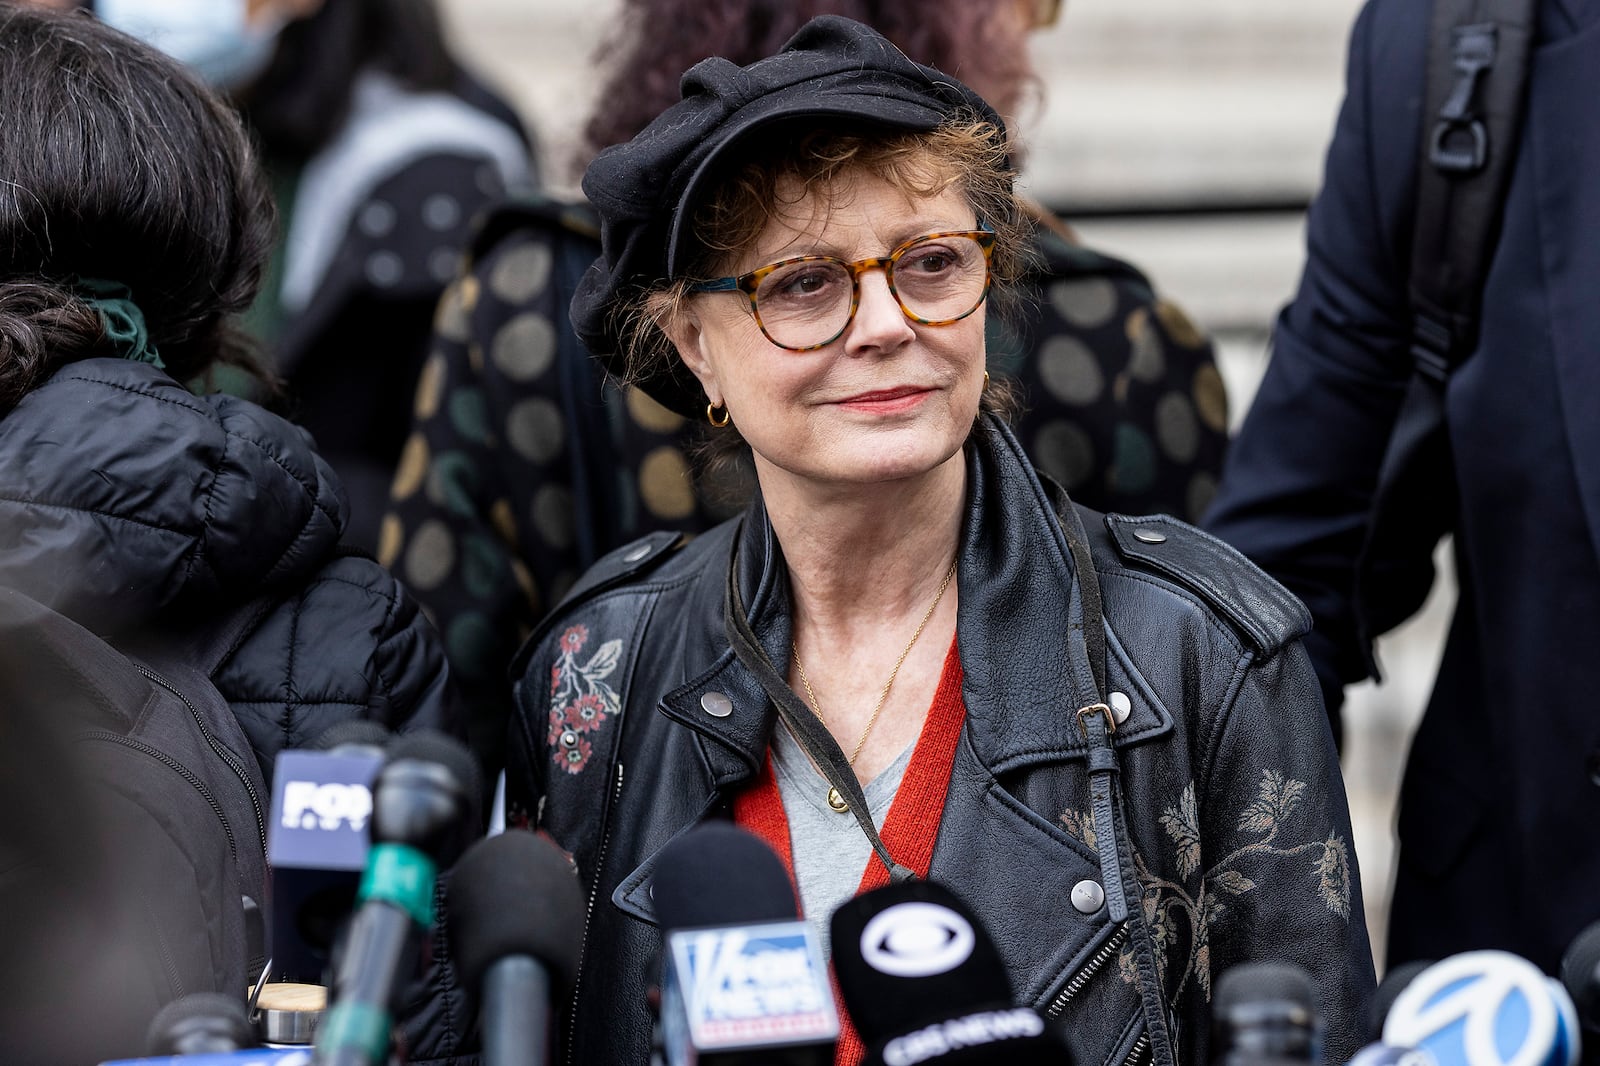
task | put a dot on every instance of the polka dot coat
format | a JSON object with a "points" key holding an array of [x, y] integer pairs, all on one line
{"points": [[525, 464]]}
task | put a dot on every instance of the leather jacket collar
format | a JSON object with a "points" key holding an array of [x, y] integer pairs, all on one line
{"points": [[1020, 598]]}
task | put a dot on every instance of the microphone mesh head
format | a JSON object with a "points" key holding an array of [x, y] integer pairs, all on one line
{"points": [[515, 894], [719, 874], [361, 732], [1580, 974], [219, 1019], [1394, 982], [430, 745], [1267, 981]]}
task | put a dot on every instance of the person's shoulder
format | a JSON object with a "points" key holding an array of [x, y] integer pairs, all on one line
{"points": [[533, 223], [1260, 613], [621, 580]]}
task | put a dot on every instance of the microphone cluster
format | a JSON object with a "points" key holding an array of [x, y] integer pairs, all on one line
{"points": [[744, 979]]}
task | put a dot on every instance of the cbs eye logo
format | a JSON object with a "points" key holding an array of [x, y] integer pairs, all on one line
{"points": [[916, 940]]}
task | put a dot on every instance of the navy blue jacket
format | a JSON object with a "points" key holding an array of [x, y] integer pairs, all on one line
{"points": [[1499, 820]]}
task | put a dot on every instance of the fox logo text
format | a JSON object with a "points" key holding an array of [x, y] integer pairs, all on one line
{"points": [[754, 984], [314, 805]]}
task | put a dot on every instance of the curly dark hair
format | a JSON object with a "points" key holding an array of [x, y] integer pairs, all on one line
{"points": [[117, 164], [654, 41]]}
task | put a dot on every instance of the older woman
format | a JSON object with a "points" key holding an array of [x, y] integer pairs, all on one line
{"points": [[910, 654]]}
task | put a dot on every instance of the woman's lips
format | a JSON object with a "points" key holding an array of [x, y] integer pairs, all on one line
{"points": [[886, 401]]}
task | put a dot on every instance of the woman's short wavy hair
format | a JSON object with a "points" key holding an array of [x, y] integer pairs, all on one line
{"points": [[962, 153]]}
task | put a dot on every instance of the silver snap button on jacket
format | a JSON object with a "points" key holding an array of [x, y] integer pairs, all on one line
{"points": [[716, 705], [1088, 896], [1121, 706], [1149, 536]]}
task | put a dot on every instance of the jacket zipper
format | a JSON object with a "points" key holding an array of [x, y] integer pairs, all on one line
{"points": [[1137, 1052], [220, 749], [588, 915], [1112, 945], [187, 774]]}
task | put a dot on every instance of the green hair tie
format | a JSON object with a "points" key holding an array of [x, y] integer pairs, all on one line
{"points": [[121, 319]]}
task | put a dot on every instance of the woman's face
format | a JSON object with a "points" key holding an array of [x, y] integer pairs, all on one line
{"points": [[889, 398]]}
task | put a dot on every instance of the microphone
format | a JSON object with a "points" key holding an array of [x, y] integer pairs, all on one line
{"points": [[1485, 1008], [1580, 975], [1393, 983], [198, 1024], [744, 982], [317, 843], [423, 799], [924, 984], [1263, 1013], [516, 924]]}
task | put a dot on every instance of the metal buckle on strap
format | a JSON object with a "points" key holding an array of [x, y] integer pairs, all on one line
{"points": [[1105, 712], [1460, 142]]}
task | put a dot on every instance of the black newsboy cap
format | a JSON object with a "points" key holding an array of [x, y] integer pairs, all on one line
{"points": [[647, 189]]}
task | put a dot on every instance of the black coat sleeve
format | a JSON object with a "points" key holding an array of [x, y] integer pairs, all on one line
{"points": [[1299, 480]]}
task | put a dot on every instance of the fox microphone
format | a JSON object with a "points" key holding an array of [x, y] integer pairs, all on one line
{"points": [[515, 913], [924, 983], [422, 800], [317, 843], [744, 982]]}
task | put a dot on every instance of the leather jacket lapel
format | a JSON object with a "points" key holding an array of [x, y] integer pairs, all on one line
{"points": [[1020, 599]]}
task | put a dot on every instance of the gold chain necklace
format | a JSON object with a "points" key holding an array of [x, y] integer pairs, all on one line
{"points": [[836, 801]]}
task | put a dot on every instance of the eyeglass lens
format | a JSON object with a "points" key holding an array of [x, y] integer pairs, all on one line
{"points": [[808, 302]]}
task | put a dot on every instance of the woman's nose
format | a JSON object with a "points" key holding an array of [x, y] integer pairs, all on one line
{"points": [[880, 323]]}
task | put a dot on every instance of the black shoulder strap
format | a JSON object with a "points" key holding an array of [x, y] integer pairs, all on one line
{"points": [[1477, 76], [1478, 52]]}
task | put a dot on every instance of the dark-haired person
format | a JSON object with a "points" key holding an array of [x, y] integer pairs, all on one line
{"points": [[134, 225], [381, 149], [911, 655], [526, 466]]}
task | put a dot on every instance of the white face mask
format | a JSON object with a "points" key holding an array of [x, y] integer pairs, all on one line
{"points": [[214, 38]]}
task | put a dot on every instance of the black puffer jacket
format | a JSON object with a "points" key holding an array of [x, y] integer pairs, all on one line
{"points": [[126, 503], [1231, 842]]}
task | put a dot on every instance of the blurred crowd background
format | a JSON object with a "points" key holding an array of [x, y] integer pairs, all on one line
{"points": [[1185, 138]]}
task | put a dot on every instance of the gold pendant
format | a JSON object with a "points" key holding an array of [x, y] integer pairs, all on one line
{"points": [[836, 801]]}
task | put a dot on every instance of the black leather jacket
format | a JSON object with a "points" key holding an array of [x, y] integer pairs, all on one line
{"points": [[1232, 830]]}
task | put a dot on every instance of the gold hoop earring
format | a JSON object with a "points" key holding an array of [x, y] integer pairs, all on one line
{"points": [[986, 379], [711, 416]]}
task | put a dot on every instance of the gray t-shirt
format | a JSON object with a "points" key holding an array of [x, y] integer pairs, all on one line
{"points": [[830, 850]]}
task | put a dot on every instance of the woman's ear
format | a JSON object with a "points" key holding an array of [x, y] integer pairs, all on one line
{"points": [[686, 333]]}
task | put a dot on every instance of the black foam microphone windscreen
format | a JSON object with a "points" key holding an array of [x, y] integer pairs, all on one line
{"points": [[1394, 982], [924, 983], [201, 1023], [1580, 973], [353, 733], [515, 894], [516, 913], [1265, 1012], [719, 874]]}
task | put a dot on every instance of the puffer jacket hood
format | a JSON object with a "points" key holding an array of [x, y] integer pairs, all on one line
{"points": [[126, 498]]}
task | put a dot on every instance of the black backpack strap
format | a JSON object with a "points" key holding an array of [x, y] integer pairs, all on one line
{"points": [[1478, 54]]}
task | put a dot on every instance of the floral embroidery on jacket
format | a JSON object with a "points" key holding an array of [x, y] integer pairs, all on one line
{"points": [[1171, 909], [580, 700]]}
